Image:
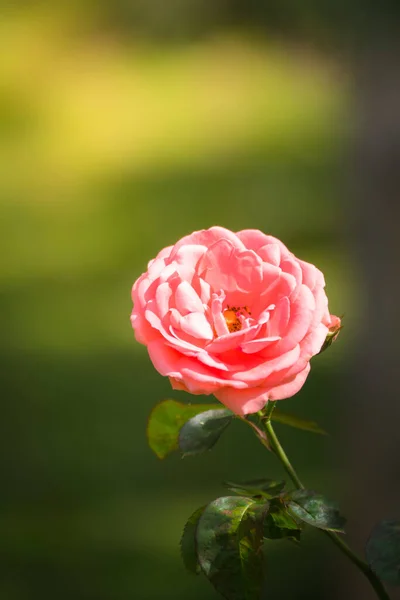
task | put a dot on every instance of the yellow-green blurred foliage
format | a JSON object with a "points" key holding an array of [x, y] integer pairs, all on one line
{"points": [[111, 147]]}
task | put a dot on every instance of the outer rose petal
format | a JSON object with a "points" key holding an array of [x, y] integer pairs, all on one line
{"points": [[313, 341], [257, 375], [255, 239], [207, 237], [270, 253], [310, 275], [243, 402], [197, 377], [178, 385], [185, 260], [163, 298], [290, 388], [144, 333]]}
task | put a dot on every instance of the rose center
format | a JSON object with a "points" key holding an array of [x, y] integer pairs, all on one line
{"points": [[234, 316]]}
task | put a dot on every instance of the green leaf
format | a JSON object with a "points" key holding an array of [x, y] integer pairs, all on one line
{"points": [[294, 421], [314, 509], [202, 431], [383, 551], [165, 421], [280, 524], [229, 546], [267, 488], [188, 542]]}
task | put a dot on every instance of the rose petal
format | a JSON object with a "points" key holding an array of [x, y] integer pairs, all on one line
{"points": [[280, 287], [155, 268], [197, 326], [301, 314], [185, 347], [279, 320], [186, 299], [309, 274], [165, 359], [258, 344], [219, 322], [290, 388], [202, 289], [243, 402], [139, 289], [162, 297], [212, 361], [270, 253], [270, 275], [186, 259], [230, 341], [248, 268], [321, 312], [197, 377], [255, 239], [170, 271], [312, 343], [144, 333], [178, 385], [258, 374], [207, 237], [223, 267], [214, 267], [292, 267]]}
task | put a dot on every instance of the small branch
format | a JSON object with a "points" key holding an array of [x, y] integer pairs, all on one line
{"points": [[262, 436]]}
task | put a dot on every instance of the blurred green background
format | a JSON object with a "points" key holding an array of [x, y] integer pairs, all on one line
{"points": [[120, 132]]}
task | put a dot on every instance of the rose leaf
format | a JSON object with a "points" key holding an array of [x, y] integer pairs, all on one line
{"points": [[229, 546], [267, 488], [202, 431], [166, 420], [279, 523], [297, 422], [314, 509], [188, 542], [383, 551]]}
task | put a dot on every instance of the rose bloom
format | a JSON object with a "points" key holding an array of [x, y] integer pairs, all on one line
{"points": [[236, 315]]}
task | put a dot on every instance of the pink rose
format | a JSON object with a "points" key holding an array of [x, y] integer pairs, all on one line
{"points": [[232, 314]]}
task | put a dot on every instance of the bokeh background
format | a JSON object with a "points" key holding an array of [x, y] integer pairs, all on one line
{"points": [[123, 126]]}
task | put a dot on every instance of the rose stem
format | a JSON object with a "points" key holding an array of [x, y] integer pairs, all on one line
{"points": [[340, 543]]}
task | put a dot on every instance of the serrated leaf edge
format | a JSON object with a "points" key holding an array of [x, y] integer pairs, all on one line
{"points": [[188, 523], [288, 501], [251, 503], [191, 453]]}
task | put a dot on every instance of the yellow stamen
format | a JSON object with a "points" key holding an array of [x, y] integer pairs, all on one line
{"points": [[232, 320]]}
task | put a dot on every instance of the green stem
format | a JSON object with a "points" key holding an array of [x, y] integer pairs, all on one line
{"points": [[337, 540]]}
